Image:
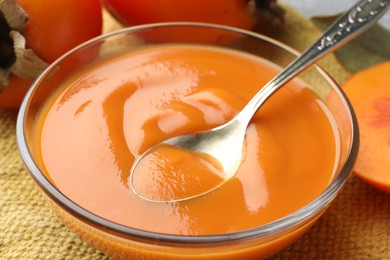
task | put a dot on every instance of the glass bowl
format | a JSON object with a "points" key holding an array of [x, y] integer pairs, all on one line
{"points": [[125, 242]]}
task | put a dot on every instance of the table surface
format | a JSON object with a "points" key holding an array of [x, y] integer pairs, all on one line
{"points": [[356, 226]]}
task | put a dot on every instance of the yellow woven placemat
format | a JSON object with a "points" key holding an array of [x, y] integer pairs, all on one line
{"points": [[357, 226]]}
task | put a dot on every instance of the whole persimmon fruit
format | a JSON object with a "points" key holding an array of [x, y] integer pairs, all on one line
{"points": [[50, 29], [237, 13]]}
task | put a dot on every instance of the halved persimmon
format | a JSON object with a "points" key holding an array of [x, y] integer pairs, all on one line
{"points": [[369, 93]]}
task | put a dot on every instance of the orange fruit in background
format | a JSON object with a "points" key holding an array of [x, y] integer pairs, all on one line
{"points": [[53, 28], [369, 93], [235, 13]]}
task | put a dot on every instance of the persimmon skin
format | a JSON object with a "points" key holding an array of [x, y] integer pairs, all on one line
{"points": [[11, 96], [58, 26], [54, 28], [369, 93], [234, 13]]}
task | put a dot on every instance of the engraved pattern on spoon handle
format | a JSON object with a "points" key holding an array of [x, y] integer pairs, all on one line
{"points": [[359, 18]]}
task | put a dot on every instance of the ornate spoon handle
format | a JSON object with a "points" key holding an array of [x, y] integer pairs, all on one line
{"points": [[359, 18]]}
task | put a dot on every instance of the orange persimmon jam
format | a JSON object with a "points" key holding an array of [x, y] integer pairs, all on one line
{"points": [[101, 120], [168, 173]]}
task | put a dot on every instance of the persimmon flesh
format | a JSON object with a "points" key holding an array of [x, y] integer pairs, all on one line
{"points": [[369, 93]]}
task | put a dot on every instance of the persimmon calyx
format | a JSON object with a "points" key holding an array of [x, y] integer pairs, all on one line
{"points": [[14, 57], [270, 11]]}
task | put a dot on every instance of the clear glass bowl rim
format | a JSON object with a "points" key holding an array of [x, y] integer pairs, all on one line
{"points": [[291, 221]]}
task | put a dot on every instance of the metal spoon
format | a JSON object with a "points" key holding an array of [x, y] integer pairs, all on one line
{"points": [[225, 142]]}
